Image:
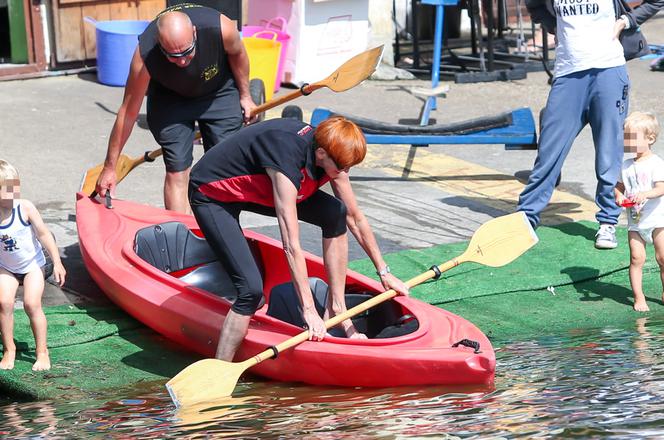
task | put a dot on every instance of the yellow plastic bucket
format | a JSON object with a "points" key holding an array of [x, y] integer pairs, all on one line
{"points": [[263, 59]]}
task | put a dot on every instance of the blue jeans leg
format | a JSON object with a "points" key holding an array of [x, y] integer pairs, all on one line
{"points": [[562, 120], [609, 104]]}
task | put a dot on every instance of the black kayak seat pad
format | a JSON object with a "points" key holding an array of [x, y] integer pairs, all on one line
{"points": [[381, 321], [469, 126], [171, 246]]}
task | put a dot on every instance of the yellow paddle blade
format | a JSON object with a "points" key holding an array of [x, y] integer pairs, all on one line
{"points": [[122, 168], [501, 240], [204, 380], [354, 71], [209, 414], [89, 180]]}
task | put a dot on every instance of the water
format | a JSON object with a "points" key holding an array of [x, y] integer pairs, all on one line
{"points": [[606, 383]]}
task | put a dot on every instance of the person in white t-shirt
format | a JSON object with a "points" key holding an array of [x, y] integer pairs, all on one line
{"points": [[640, 189], [590, 86]]}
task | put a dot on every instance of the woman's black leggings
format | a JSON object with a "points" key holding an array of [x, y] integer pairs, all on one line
{"points": [[219, 222]]}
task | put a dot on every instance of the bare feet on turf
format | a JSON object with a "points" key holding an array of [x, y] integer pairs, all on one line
{"points": [[43, 362], [641, 306], [7, 362]]}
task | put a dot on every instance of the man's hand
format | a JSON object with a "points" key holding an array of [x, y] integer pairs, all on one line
{"points": [[315, 324], [248, 107], [106, 182]]}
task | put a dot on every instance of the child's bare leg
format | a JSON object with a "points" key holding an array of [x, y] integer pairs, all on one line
{"points": [[658, 241], [637, 251], [33, 289], [8, 286]]}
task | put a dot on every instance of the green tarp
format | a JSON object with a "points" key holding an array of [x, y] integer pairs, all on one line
{"points": [[561, 284], [91, 349]]}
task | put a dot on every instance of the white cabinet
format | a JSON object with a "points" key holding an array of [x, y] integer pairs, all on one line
{"points": [[324, 33]]}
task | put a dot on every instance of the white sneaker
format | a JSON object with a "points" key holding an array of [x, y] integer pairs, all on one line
{"points": [[605, 238]]}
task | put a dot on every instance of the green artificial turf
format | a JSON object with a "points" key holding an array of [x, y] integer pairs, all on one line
{"points": [[562, 283], [91, 349]]}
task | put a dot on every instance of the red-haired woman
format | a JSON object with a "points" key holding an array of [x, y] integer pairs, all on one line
{"points": [[276, 168]]}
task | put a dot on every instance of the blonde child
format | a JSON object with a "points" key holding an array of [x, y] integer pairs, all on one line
{"points": [[641, 184], [22, 235]]}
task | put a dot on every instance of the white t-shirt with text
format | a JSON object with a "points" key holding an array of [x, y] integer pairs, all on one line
{"points": [[584, 31]]}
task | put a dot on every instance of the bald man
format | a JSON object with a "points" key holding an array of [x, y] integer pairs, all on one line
{"points": [[193, 66]]}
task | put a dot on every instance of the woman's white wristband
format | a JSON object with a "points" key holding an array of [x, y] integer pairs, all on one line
{"points": [[626, 20], [384, 271]]}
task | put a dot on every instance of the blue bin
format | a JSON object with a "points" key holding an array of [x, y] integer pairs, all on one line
{"points": [[116, 43]]}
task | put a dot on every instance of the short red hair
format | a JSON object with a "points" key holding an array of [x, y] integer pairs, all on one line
{"points": [[342, 140]]}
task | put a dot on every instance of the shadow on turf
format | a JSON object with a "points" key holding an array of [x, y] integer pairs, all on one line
{"points": [[595, 289]]}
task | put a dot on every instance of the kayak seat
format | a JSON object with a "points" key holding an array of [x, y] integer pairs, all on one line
{"points": [[171, 247], [380, 321]]}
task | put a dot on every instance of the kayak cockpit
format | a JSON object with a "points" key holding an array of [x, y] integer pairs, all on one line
{"points": [[385, 320], [174, 249]]}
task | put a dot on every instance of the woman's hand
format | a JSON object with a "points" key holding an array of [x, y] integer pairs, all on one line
{"points": [[389, 281], [315, 325], [618, 27]]}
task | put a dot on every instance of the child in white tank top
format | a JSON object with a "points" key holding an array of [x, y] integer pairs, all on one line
{"points": [[641, 186], [22, 235]]}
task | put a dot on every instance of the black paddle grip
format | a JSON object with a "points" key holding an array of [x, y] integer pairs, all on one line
{"points": [[304, 92], [436, 270]]}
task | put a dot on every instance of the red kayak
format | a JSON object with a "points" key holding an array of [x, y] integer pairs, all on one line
{"points": [[154, 264]]}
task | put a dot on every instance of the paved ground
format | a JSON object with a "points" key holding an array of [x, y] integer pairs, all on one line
{"points": [[53, 129]]}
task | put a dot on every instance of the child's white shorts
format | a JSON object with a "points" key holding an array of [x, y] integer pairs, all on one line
{"points": [[646, 234]]}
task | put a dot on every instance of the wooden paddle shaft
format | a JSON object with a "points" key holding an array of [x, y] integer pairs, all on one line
{"points": [[148, 156], [351, 312], [304, 90]]}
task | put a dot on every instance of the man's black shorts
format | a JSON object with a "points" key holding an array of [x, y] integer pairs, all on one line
{"points": [[172, 117]]}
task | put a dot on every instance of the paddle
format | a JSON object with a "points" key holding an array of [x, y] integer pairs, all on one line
{"points": [[124, 166], [350, 74], [495, 243]]}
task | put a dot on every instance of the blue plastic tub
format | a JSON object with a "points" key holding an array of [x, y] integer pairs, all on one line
{"points": [[116, 43]]}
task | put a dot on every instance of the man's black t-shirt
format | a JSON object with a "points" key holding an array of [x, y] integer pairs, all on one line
{"points": [[208, 71], [235, 169]]}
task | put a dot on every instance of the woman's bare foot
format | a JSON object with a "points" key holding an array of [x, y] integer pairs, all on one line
{"points": [[641, 306], [357, 335], [352, 333], [7, 362], [43, 362]]}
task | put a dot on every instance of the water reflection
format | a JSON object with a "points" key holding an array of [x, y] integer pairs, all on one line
{"points": [[588, 383]]}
